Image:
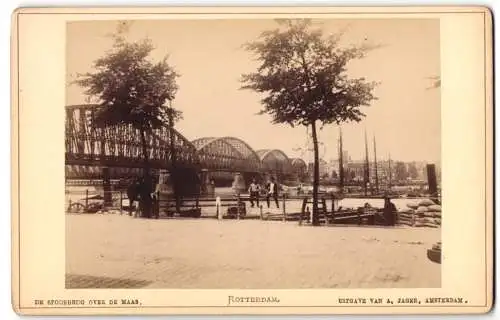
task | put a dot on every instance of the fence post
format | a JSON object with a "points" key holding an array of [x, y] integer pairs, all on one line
{"points": [[333, 209], [325, 210], [238, 207], [261, 213], [303, 209], [121, 202], [284, 209], [218, 208], [333, 203], [86, 199]]}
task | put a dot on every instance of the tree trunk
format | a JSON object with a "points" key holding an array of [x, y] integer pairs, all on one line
{"points": [[145, 153], [173, 162], [145, 194], [315, 216]]}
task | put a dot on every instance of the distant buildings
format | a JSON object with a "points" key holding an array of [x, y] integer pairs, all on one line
{"points": [[388, 172], [324, 168], [345, 156]]}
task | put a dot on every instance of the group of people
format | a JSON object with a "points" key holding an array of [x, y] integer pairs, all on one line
{"points": [[143, 191], [270, 189]]}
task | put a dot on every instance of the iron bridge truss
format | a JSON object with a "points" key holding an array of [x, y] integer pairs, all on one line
{"points": [[88, 148], [119, 147]]}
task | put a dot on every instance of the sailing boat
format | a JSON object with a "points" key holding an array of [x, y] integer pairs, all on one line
{"points": [[341, 164], [389, 184], [366, 181], [375, 164]]}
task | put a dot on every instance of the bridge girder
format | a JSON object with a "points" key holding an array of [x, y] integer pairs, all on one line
{"points": [[120, 145], [88, 148], [227, 153], [274, 160]]}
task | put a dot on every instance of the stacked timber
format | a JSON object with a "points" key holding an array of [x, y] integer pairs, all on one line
{"points": [[425, 213]]}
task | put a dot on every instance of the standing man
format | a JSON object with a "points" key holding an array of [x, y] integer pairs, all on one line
{"points": [[156, 197], [133, 195], [389, 212], [254, 190], [272, 191], [146, 196]]}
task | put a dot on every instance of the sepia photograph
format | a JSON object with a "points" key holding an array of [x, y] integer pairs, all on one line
{"points": [[300, 160], [256, 154]]}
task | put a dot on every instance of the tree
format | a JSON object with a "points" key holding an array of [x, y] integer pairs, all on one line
{"points": [[412, 170], [352, 175], [436, 82], [132, 90], [400, 171], [303, 78], [334, 174]]}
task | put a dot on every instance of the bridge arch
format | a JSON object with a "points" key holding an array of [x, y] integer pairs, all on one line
{"points": [[274, 160], [298, 163], [227, 153], [299, 167]]}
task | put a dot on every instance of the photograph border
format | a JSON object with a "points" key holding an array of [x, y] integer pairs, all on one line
{"points": [[16, 133]]}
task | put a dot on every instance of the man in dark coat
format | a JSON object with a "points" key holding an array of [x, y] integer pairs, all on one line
{"points": [[272, 191], [133, 195], [146, 201], [389, 212]]}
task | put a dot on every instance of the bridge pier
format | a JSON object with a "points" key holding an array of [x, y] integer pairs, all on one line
{"points": [[207, 187]]}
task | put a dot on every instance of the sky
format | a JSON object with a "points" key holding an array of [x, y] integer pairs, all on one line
{"points": [[209, 57]]}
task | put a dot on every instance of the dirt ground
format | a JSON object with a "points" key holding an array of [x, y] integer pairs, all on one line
{"points": [[118, 251]]}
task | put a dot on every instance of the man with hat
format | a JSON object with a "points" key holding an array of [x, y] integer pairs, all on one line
{"points": [[389, 212]]}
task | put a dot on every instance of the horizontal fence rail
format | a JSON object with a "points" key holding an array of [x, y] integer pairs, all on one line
{"points": [[284, 208]]}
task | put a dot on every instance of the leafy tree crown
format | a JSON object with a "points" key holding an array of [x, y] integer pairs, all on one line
{"points": [[303, 76], [129, 88]]}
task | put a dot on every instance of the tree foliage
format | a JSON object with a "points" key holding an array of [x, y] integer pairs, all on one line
{"points": [[436, 82], [303, 79], [129, 88], [412, 170], [303, 76], [401, 173], [334, 174], [352, 175]]}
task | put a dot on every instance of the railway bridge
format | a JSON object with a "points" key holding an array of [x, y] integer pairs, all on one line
{"points": [[116, 152]]}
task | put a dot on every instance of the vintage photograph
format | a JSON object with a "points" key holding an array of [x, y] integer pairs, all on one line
{"points": [[253, 153]]}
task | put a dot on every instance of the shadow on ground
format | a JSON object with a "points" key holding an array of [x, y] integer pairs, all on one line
{"points": [[74, 281]]}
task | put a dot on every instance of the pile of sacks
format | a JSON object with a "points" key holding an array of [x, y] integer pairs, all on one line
{"points": [[425, 213]]}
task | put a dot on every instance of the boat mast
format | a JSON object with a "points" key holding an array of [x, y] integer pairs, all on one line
{"points": [[375, 163], [390, 173], [341, 163], [367, 167]]}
